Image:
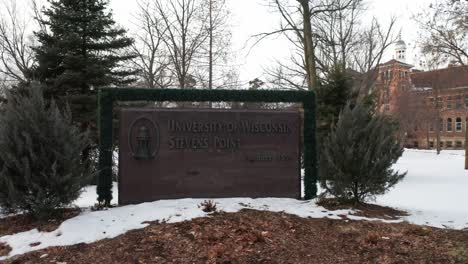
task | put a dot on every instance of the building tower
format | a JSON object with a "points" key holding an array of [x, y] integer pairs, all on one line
{"points": [[400, 50]]}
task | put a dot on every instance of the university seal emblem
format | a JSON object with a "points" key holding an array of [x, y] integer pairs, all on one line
{"points": [[143, 138]]}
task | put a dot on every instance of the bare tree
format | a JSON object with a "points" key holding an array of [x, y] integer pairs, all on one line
{"points": [[337, 33], [218, 39], [287, 75], [296, 26], [152, 61], [309, 52], [16, 55], [311, 26], [3, 87], [444, 29], [430, 62], [419, 112], [373, 42], [183, 36], [416, 114]]}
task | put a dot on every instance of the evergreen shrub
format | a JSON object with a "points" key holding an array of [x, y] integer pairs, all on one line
{"points": [[41, 168], [359, 154]]}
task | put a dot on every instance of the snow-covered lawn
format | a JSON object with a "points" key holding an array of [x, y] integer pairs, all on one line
{"points": [[435, 192]]}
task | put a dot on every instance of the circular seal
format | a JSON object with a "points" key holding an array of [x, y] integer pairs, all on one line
{"points": [[143, 138]]}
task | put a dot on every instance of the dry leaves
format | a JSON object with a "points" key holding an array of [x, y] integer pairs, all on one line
{"points": [[251, 236]]}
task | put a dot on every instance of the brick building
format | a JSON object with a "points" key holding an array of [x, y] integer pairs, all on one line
{"points": [[431, 106]]}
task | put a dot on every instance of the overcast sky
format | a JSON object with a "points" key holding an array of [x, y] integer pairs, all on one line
{"points": [[250, 17]]}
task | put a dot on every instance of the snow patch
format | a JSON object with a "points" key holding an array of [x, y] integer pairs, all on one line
{"points": [[93, 226], [435, 190]]}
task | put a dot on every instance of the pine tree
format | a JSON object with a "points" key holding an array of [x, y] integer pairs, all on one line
{"points": [[40, 165], [80, 48], [358, 155], [332, 97]]}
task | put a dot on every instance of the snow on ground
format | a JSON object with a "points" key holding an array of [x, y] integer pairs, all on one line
{"points": [[435, 192], [89, 197], [92, 226]]}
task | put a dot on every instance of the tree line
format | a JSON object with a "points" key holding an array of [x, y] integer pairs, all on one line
{"points": [[180, 43], [185, 43]]}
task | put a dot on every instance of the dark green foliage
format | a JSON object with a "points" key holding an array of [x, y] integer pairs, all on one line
{"points": [[108, 96], [332, 97], [255, 84], [40, 155], [358, 155], [80, 48]]}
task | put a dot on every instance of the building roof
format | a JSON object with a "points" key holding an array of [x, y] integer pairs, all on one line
{"points": [[451, 77], [400, 44], [394, 61]]}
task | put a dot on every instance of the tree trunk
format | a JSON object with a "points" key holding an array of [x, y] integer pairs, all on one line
{"points": [[466, 146], [438, 121], [309, 55], [210, 80], [427, 138]]}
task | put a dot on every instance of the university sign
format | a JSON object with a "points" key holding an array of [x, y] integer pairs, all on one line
{"points": [[203, 153], [176, 153]]}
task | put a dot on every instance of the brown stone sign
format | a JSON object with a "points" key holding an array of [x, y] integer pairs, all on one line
{"points": [[208, 153]]}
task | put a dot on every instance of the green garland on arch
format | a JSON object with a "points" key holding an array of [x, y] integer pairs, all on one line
{"points": [[107, 97]]}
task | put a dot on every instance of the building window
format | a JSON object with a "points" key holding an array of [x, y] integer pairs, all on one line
{"points": [[458, 124], [431, 144], [466, 100], [440, 103], [449, 124], [441, 144], [415, 144], [449, 102], [449, 144], [386, 97], [387, 107], [458, 144], [431, 101], [441, 125], [458, 102], [431, 127]]}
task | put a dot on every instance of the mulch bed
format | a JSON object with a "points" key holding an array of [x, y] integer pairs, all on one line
{"points": [[363, 209], [251, 236], [21, 223], [4, 249]]}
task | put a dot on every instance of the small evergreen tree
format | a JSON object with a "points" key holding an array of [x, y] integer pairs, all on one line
{"points": [[80, 48], [40, 155], [332, 97], [358, 155]]}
